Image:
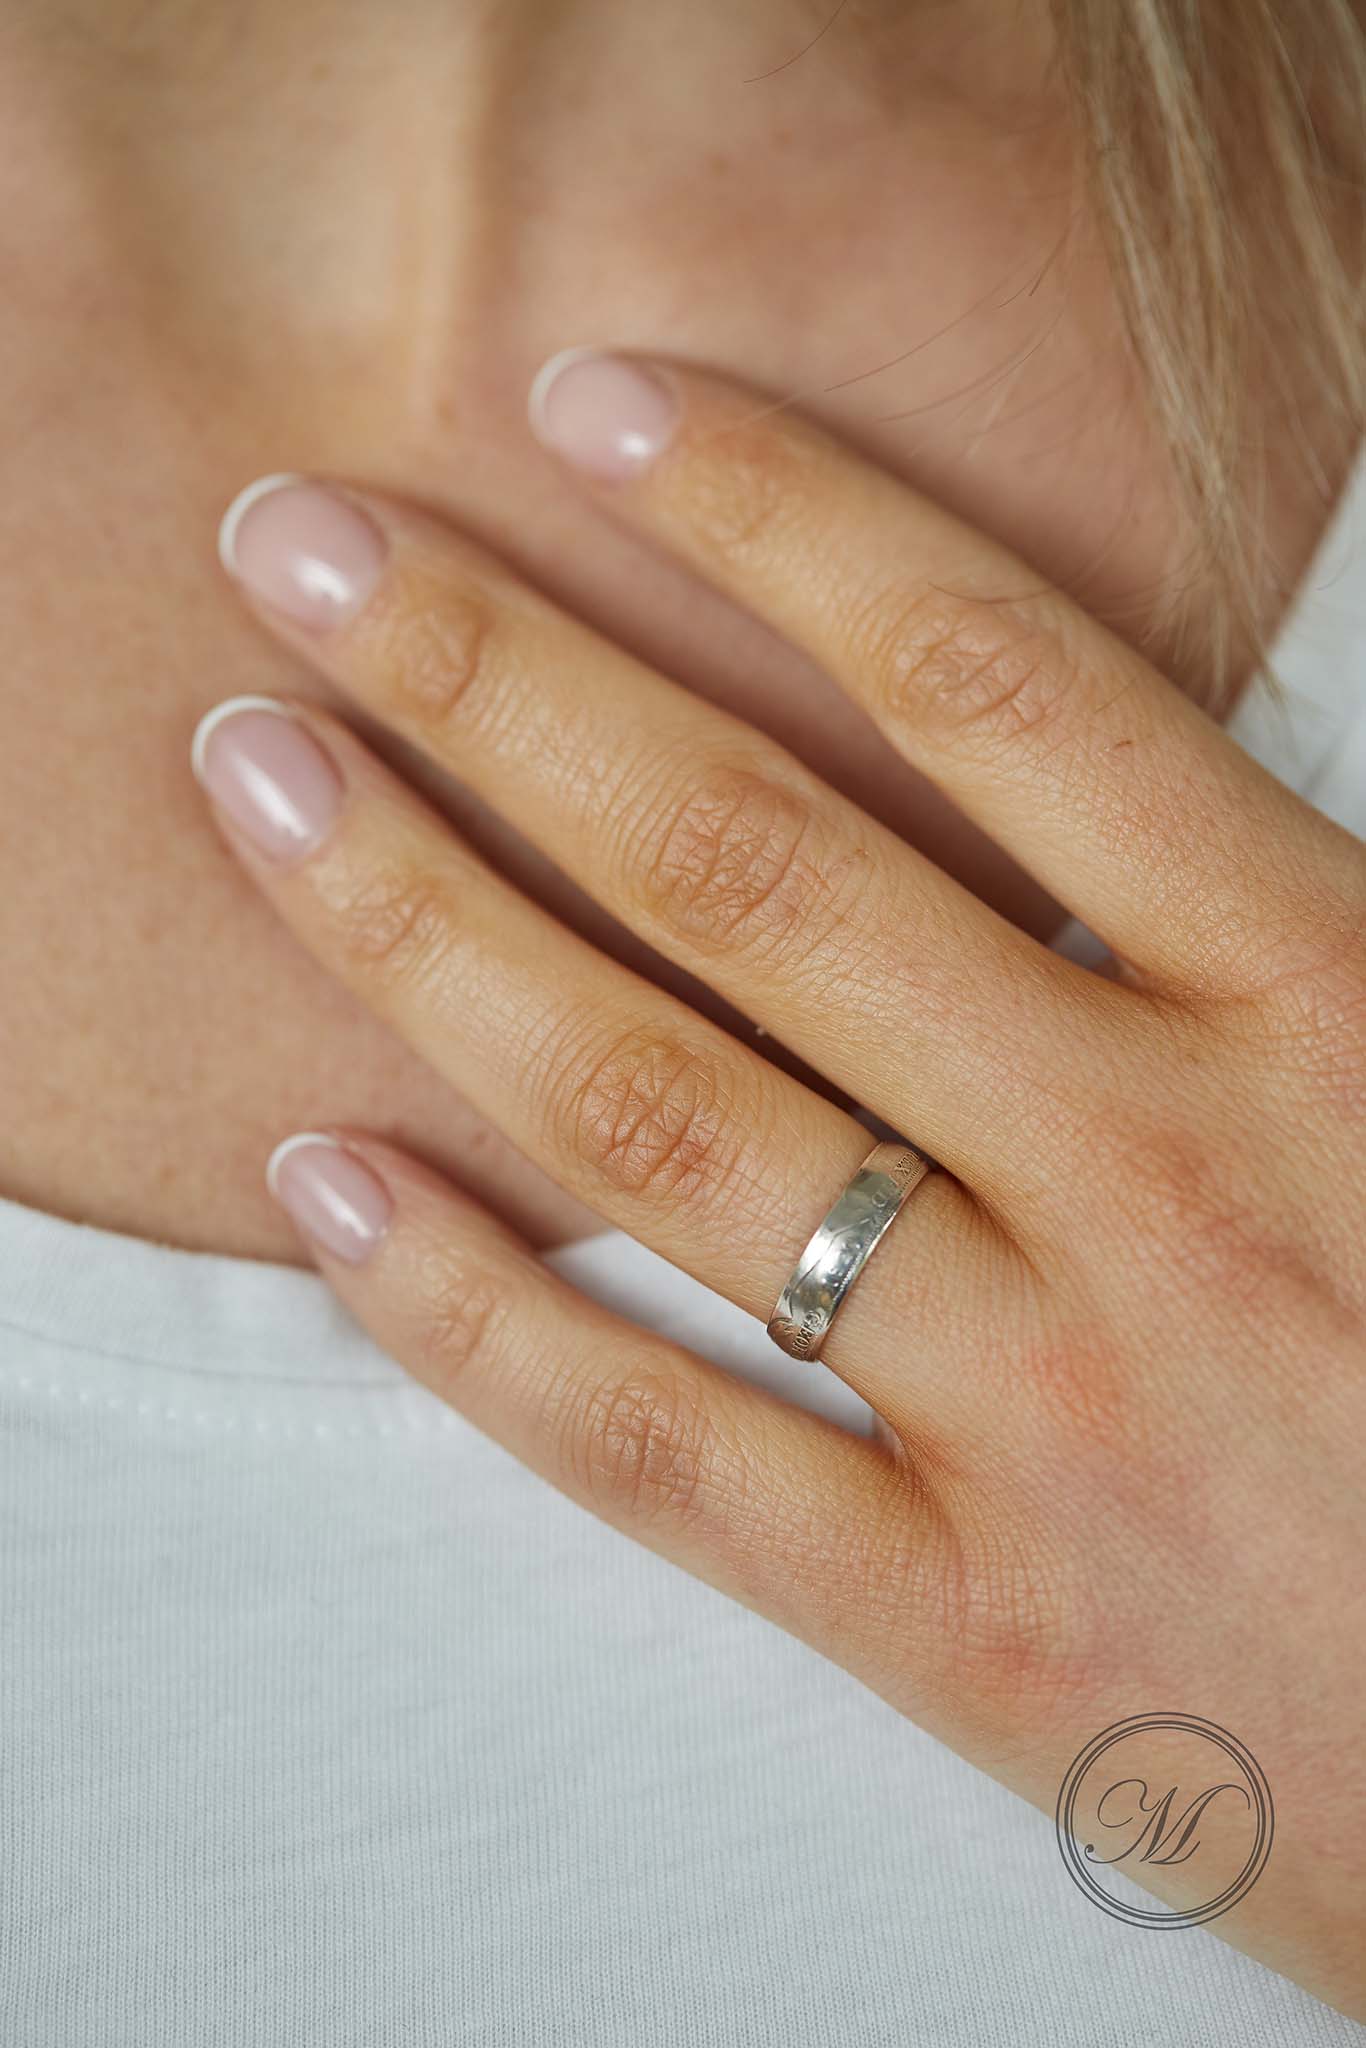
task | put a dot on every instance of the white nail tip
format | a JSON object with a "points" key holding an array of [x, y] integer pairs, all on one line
{"points": [[288, 1145], [240, 506], [228, 709], [546, 376]]}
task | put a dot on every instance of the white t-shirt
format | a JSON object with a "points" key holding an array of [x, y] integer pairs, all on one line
{"points": [[323, 1724]]}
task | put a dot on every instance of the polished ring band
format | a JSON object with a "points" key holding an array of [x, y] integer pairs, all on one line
{"points": [[841, 1248]]}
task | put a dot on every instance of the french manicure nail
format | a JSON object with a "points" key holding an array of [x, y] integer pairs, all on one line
{"points": [[609, 415], [303, 550], [263, 767], [333, 1196]]}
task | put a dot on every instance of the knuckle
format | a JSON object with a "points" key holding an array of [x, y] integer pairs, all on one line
{"points": [[1082, 1394], [1196, 1216], [395, 927], [730, 864], [1169, 1183], [970, 672], [742, 493], [433, 645], [462, 1327], [651, 1116], [641, 1444]]}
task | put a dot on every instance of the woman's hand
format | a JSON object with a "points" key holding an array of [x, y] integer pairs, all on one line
{"points": [[1117, 1342]]}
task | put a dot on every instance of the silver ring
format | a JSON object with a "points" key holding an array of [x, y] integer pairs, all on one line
{"points": [[842, 1247]]}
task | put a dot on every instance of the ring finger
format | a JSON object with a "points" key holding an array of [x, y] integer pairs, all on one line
{"points": [[659, 1119]]}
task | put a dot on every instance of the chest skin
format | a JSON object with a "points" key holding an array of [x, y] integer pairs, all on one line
{"points": [[356, 263]]}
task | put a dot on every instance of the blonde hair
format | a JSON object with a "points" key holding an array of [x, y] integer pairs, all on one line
{"points": [[1226, 147]]}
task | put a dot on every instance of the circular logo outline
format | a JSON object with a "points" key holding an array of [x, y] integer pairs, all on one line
{"points": [[1143, 1916]]}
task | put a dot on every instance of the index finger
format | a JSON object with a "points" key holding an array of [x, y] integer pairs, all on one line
{"points": [[1116, 791]]}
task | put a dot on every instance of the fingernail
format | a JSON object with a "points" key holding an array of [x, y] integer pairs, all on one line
{"points": [[331, 1194], [303, 550], [609, 415], [262, 765]]}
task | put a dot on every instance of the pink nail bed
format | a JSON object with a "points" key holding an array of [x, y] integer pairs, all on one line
{"points": [[263, 767], [304, 550], [608, 415], [333, 1196]]}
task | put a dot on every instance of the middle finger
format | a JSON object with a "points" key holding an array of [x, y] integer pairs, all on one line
{"points": [[702, 835]]}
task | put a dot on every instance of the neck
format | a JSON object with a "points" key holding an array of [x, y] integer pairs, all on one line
{"points": [[349, 211]]}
